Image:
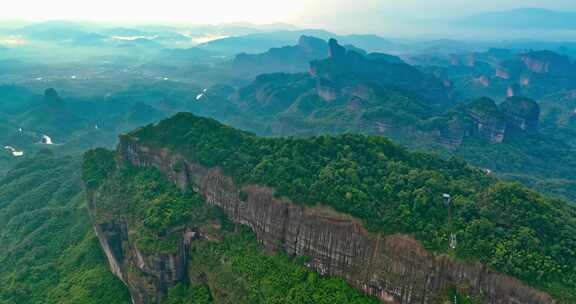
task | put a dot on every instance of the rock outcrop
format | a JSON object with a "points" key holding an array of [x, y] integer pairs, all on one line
{"points": [[348, 68], [312, 45], [287, 59], [148, 276], [523, 114], [51, 114], [53, 101], [491, 123], [544, 62], [337, 52], [394, 268], [506, 73]]}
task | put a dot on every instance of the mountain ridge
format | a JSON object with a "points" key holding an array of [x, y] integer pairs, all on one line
{"points": [[522, 18], [200, 160]]}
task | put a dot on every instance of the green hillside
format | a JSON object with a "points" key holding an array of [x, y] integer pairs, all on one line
{"points": [[229, 266], [506, 226], [49, 253]]}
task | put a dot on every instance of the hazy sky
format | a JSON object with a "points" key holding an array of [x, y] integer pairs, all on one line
{"points": [[352, 15]]}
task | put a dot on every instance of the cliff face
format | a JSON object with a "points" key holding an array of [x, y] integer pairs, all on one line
{"points": [[348, 68], [493, 123], [523, 114], [395, 268], [543, 62], [147, 275], [505, 73]]}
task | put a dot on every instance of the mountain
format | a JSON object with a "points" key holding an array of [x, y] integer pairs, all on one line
{"points": [[278, 26], [371, 43], [68, 34], [381, 95], [559, 109], [524, 18], [139, 43], [50, 114], [356, 206], [498, 73], [160, 35], [124, 32], [75, 124], [344, 69], [261, 42], [49, 252], [53, 31], [349, 83], [484, 120], [287, 59], [441, 46], [90, 40], [161, 278], [298, 213]]}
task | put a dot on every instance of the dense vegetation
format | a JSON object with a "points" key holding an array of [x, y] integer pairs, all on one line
{"points": [[152, 205], [503, 225], [363, 100], [237, 269], [541, 162], [49, 253]]}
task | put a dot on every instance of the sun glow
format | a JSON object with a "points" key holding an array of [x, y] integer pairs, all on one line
{"points": [[11, 41], [176, 11]]}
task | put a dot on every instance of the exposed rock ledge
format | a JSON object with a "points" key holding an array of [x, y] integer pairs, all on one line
{"points": [[395, 268], [147, 276]]}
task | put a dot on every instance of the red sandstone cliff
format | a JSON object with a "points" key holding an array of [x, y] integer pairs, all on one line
{"points": [[395, 268]]}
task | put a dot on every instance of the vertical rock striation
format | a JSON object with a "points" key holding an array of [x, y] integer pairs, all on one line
{"points": [[394, 268], [148, 276]]}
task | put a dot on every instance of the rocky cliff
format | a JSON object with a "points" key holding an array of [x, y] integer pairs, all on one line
{"points": [[523, 114], [544, 62], [287, 59], [148, 276], [395, 268], [491, 123], [348, 68], [501, 73]]}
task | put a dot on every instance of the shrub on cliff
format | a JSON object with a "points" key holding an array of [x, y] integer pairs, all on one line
{"points": [[97, 165], [506, 226]]}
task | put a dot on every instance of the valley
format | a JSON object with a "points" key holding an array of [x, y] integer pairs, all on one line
{"points": [[267, 163]]}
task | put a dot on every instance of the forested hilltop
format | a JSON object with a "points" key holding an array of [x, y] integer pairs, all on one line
{"points": [[227, 266], [335, 208], [463, 109], [504, 225]]}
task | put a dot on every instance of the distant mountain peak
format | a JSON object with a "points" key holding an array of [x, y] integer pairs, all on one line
{"points": [[522, 18], [53, 101], [51, 94], [309, 43], [336, 50]]}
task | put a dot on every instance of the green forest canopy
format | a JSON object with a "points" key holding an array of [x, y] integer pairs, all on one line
{"points": [[49, 253], [231, 265], [506, 226]]}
